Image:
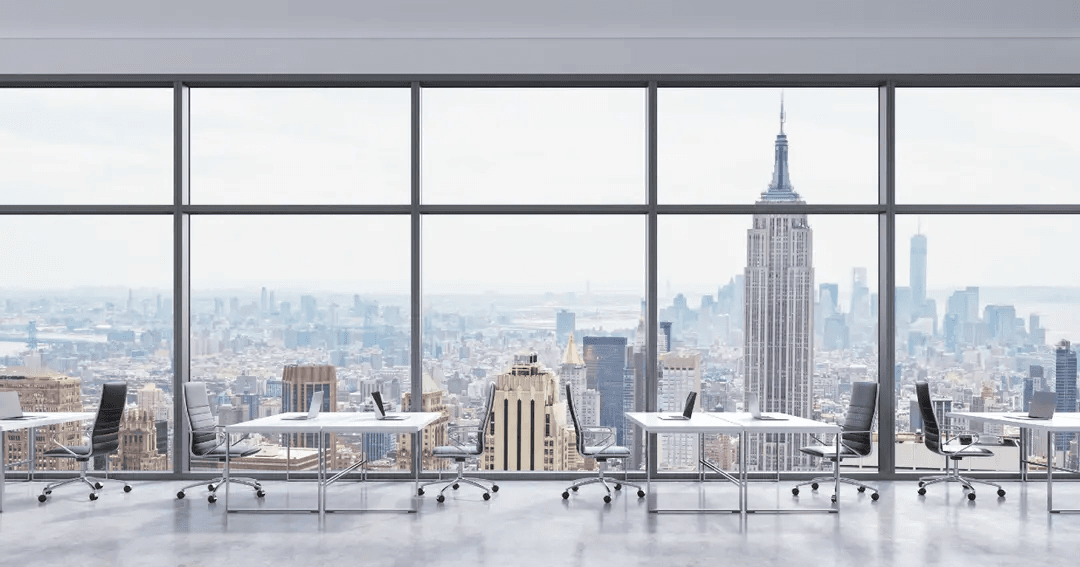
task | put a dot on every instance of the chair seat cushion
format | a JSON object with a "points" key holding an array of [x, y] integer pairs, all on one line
{"points": [[236, 451], [965, 451], [612, 452], [82, 452], [450, 451], [829, 452]]}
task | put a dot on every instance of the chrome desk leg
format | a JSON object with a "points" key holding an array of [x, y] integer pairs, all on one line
{"points": [[1050, 471], [3, 468], [228, 438], [836, 471], [743, 496]]}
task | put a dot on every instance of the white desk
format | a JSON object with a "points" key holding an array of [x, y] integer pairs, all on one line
{"points": [[743, 424], [1061, 423], [331, 422], [40, 419]]}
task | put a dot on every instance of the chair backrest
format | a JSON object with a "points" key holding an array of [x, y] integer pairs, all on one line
{"points": [[200, 418], [930, 430], [106, 434], [486, 421], [573, 417], [860, 417]]}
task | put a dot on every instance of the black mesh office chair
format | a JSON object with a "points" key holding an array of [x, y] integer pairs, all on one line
{"points": [[597, 442], [104, 440], [465, 441], [856, 439], [208, 442], [939, 440]]}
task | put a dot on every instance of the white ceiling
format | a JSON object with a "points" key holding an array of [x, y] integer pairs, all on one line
{"points": [[545, 18]]}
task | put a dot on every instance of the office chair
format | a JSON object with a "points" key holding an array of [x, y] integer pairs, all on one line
{"points": [[465, 441], [208, 442], [104, 440], [602, 449], [855, 437], [933, 436]]}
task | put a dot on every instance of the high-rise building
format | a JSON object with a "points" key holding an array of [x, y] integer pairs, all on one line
{"points": [[565, 324], [778, 344], [917, 272], [680, 375], [572, 373], [434, 435], [529, 431], [605, 362], [42, 390], [298, 384], [1065, 373], [138, 444]]}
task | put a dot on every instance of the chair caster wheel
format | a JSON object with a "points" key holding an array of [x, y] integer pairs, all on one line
{"points": [[618, 486], [794, 491], [259, 493], [922, 492], [574, 489], [42, 498], [127, 488], [862, 489], [814, 486], [607, 499], [833, 499], [456, 486], [98, 485], [921, 484], [641, 494], [210, 487], [971, 495], [565, 495], [211, 499], [93, 496], [180, 495], [874, 496], [1001, 492], [494, 488], [487, 496], [440, 498], [419, 491]]}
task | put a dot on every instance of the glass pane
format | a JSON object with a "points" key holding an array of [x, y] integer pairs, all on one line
{"points": [[721, 145], [533, 146], [502, 298], [90, 303], [987, 146], [784, 307], [287, 306], [300, 146], [986, 314], [86, 146]]}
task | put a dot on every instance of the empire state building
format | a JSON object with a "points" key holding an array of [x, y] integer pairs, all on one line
{"points": [[778, 352]]}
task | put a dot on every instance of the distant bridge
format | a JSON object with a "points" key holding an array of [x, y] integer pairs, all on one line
{"points": [[54, 338]]}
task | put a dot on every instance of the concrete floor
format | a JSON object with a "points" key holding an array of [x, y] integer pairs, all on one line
{"points": [[528, 523]]}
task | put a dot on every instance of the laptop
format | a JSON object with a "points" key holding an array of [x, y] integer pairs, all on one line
{"points": [[1042, 406], [754, 405], [380, 409], [688, 410], [313, 408], [11, 409]]}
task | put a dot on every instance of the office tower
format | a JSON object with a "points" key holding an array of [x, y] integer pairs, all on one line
{"points": [[778, 344], [904, 308], [434, 435], [43, 390], [917, 273], [138, 443], [605, 361], [828, 295], [529, 430], [572, 373], [263, 301], [1036, 334], [860, 296], [1065, 372], [664, 338], [681, 374], [565, 324], [308, 307], [1000, 323], [298, 385]]}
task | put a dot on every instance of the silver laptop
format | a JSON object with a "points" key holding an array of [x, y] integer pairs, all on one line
{"points": [[754, 405], [688, 409], [11, 409], [313, 409], [380, 409], [1042, 406]]}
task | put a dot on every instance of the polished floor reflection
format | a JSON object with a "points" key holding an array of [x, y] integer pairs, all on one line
{"points": [[528, 523]]}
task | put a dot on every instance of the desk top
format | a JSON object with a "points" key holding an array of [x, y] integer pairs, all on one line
{"points": [[729, 422], [1064, 421], [45, 418], [791, 424], [336, 422]]}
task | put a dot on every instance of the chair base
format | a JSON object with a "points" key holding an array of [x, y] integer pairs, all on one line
{"points": [[829, 480], [214, 484], [95, 484], [954, 476], [605, 481], [487, 486]]}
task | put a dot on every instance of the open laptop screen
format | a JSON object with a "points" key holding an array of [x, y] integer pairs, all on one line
{"points": [[688, 410], [379, 408]]}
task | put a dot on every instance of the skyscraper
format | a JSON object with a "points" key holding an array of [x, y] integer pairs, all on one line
{"points": [[917, 273], [681, 374], [43, 390], [299, 384], [605, 361], [529, 431], [565, 323], [778, 353], [1065, 371]]}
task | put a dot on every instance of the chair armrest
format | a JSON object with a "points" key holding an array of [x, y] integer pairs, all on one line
{"points": [[462, 436], [604, 436], [64, 447]]}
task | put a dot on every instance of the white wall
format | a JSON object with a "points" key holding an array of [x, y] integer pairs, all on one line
{"points": [[553, 36]]}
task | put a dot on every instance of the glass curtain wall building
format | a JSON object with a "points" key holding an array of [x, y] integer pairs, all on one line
{"points": [[636, 239]]}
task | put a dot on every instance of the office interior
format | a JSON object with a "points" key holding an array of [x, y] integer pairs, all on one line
{"points": [[472, 283]]}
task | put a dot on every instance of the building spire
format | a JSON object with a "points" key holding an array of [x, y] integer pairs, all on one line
{"points": [[783, 117], [781, 190], [571, 356]]}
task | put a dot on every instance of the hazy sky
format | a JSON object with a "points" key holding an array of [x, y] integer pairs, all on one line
{"points": [[525, 146]]}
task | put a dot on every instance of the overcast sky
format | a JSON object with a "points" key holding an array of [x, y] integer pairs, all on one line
{"points": [[525, 146]]}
